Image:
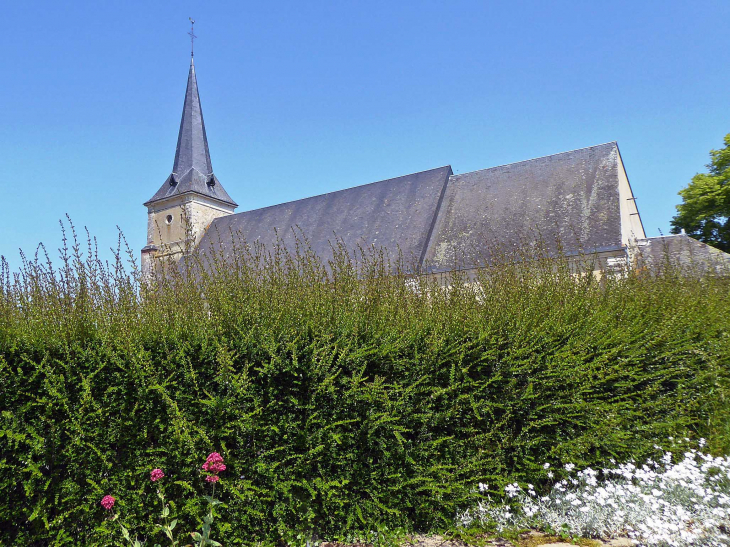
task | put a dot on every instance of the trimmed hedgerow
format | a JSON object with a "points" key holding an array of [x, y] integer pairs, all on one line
{"points": [[342, 396]]}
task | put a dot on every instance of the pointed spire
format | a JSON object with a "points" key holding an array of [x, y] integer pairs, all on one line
{"points": [[192, 170], [192, 143]]}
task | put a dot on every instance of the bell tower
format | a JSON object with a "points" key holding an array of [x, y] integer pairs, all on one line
{"points": [[191, 197]]}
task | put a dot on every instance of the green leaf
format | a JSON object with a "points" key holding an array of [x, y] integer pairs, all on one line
{"points": [[173, 524], [125, 532], [211, 500], [165, 511], [196, 536]]}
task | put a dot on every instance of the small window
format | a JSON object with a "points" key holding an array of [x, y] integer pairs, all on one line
{"points": [[168, 219]]}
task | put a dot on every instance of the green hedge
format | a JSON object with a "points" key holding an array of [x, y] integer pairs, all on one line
{"points": [[341, 398]]}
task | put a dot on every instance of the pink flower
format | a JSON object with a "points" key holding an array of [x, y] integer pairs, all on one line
{"points": [[216, 467], [156, 475], [214, 457], [214, 464], [107, 502]]}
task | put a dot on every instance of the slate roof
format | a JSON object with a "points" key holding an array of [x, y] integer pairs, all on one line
{"points": [[572, 196], [441, 220], [192, 170], [681, 251], [395, 213]]}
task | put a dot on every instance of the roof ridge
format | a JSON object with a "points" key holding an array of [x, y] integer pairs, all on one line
{"points": [[666, 235], [343, 190], [538, 158]]}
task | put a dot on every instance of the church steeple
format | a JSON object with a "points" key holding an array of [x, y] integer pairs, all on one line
{"points": [[192, 170], [191, 197]]}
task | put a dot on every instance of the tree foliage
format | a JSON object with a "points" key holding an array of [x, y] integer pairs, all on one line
{"points": [[705, 210]]}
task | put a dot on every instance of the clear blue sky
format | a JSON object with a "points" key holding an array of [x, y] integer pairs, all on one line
{"points": [[302, 98]]}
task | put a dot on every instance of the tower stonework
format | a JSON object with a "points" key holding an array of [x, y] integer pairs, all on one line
{"points": [[191, 197]]}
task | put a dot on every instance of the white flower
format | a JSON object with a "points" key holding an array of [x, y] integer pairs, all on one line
{"points": [[550, 474], [546, 466], [655, 504], [483, 487]]}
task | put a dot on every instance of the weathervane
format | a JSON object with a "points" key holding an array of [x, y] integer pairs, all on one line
{"points": [[192, 35]]}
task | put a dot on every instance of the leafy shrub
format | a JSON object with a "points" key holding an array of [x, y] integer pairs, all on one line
{"points": [[342, 396]]}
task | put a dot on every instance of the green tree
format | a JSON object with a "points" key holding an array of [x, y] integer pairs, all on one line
{"points": [[705, 211]]}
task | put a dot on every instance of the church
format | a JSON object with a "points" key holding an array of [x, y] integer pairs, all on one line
{"points": [[436, 219]]}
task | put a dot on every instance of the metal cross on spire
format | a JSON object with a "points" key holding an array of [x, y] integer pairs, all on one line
{"points": [[192, 35]]}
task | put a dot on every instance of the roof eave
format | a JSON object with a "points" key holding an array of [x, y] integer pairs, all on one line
{"points": [[229, 203]]}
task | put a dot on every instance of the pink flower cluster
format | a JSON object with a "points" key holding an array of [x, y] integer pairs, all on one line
{"points": [[156, 475], [214, 465], [107, 502]]}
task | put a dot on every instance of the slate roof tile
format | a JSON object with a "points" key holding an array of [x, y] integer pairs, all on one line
{"points": [[396, 214], [571, 197], [440, 220]]}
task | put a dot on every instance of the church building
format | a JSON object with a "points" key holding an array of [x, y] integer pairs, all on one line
{"points": [[438, 220]]}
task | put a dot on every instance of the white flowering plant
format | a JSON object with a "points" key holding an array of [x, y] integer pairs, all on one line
{"points": [[660, 503]]}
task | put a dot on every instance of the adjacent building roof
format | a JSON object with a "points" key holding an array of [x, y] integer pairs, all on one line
{"points": [[192, 170], [683, 252], [440, 220]]}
